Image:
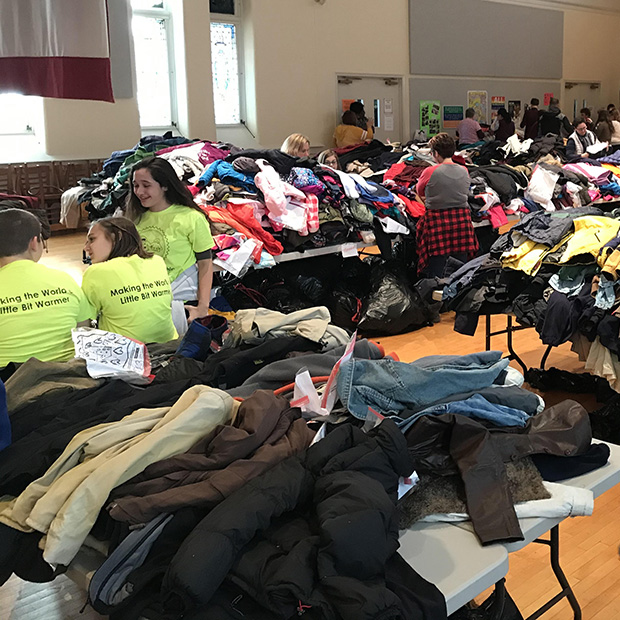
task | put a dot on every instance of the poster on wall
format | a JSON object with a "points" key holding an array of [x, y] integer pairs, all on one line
{"points": [[479, 101], [497, 103], [514, 108], [430, 119], [547, 98], [452, 116], [346, 104]]}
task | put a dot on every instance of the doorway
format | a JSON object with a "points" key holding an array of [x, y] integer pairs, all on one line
{"points": [[382, 98], [580, 95]]}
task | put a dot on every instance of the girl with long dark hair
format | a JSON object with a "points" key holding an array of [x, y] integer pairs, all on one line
{"points": [[172, 226]]}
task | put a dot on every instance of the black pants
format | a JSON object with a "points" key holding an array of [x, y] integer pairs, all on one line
{"points": [[437, 264]]}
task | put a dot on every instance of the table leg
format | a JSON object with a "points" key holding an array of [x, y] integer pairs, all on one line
{"points": [[513, 353], [566, 592], [543, 361]]}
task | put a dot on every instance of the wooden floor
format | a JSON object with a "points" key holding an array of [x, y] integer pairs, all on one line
{"points": [[588, 545]]}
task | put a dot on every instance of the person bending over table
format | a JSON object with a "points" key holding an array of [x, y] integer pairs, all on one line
{"points": [[127, 286], [172, 226], [446, 228], [39, 306]]}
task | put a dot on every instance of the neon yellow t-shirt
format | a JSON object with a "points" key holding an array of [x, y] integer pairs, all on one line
{"points": [[176, 234], [132, 297], [38, 308]]}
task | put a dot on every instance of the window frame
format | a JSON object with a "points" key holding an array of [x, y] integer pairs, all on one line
{"points": [[165, 14], [236, 19]]}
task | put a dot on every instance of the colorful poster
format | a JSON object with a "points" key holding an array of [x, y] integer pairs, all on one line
{"points": [[514, 108], [547, 98], [479, 101], [430, 117], [346, 104], [452, 116], [496, 104]]}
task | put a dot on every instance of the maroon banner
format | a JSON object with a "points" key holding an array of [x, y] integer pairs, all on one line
{"points": [[57, 76]]}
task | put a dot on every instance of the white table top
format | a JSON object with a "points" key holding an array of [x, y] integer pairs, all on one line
{"points": [[454, 560]]}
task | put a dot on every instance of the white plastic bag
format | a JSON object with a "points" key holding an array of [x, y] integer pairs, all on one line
{"points": [[541, 186]]}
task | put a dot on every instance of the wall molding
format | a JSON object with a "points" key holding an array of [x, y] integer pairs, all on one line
{"points": [[603, 7]]}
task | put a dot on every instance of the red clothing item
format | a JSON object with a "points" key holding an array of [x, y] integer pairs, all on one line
{"points": [[413, 207], [241, 218], [441, 232], [425, 177], [345, 149], [405, 173]]}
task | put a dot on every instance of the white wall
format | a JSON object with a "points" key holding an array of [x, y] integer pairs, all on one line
{"points": [[299, 48], [77, 129], [596, 61], [193, 62]]}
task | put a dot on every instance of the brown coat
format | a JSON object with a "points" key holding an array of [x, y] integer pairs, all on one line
{"points": [[452, 443], [265, 431]]}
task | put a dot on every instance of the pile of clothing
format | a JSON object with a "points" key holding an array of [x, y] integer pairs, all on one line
{"points": [[557, 272], [211, 493]]}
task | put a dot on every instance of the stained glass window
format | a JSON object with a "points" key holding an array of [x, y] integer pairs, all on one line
{"points": [[225, 67]]}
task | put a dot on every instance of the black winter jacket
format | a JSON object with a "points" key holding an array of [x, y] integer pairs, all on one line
{"points": [[317, 534]]}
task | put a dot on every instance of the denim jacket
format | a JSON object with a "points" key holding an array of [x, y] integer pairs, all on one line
{"points": [[388, 386]]}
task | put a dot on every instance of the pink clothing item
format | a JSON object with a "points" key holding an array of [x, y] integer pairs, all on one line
{"points": [[596, 174], [312, 213], [497, 216], [468, 130], [169, 149], [226, 241], [209, 153], [274, 188]]}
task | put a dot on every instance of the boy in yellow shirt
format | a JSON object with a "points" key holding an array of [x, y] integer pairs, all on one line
{"points": [[38, 306]]}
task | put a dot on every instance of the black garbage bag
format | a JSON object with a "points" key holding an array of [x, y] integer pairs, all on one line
{"points": [[311, 287], [393, 306], [499, 606], [345, 308]]}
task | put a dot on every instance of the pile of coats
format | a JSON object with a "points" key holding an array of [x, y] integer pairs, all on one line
{"points": [[209, 493], [557, 272]]}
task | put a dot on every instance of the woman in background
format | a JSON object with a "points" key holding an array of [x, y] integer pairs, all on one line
{"points": [[329, 158], [348, 133], [296, 145]]}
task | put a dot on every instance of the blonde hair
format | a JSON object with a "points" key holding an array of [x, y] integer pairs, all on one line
{"points": [[293, 143]]}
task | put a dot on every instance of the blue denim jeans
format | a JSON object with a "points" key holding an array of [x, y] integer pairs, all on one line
{"points": [[476, 407], [389, 386]]}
